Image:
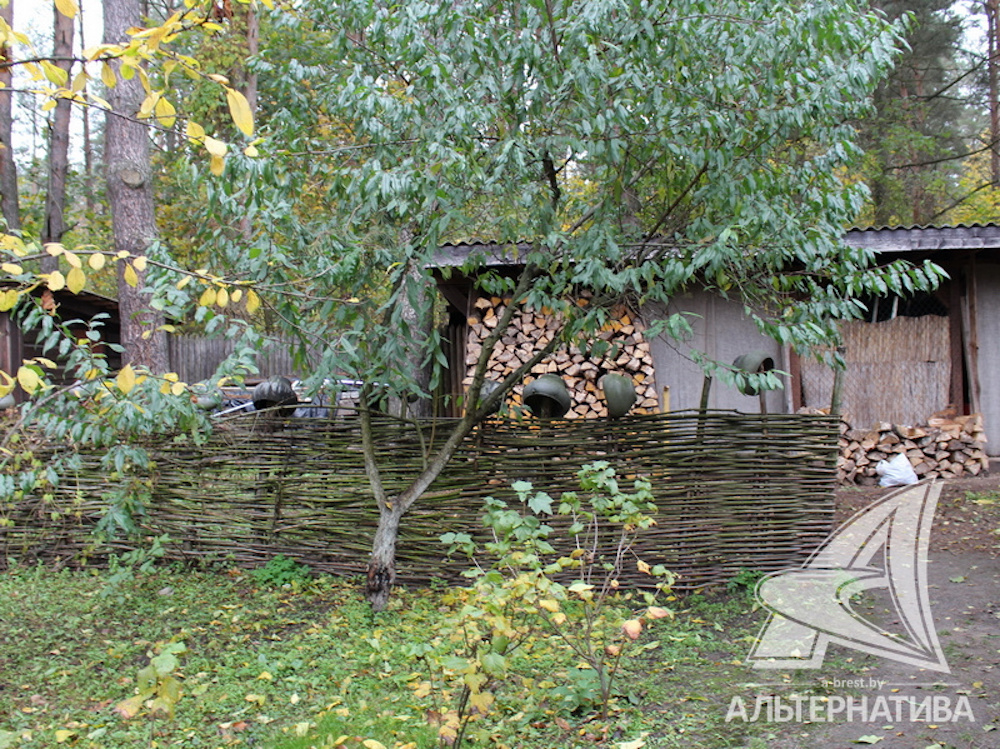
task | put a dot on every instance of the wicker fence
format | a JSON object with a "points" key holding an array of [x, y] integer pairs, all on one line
{"points": [[734, 491]]}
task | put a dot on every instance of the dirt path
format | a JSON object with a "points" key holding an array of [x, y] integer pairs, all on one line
{"points": [[960, 709]]}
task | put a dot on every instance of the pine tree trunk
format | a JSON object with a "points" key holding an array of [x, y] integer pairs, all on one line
{"points": [[130, 196], [55, 199], [88, 146], [992, 63], [9, 205]]}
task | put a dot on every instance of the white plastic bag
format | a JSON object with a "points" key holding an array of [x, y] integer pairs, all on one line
{"points": [[896, 472]]}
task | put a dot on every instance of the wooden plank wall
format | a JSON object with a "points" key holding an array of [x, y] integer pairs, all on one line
{"points": [[195, 358]]}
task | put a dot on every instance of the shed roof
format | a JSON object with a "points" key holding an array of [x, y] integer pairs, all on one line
{"points": [[888, 239], [925, 238]]}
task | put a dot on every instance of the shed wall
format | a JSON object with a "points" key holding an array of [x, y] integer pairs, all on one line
{"points": [[898, 371], [722, 332], [986, 314]]}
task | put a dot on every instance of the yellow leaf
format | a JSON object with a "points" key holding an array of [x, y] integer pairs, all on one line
{"points": [[215, 147], [140, 263], [14, 244], [108, 76], [637, 744], [13, 269], [481, 702], [122, 254], [236, 295], [54, 280], [177, 388], [126, 379], [222, 298], [251, 151], [372, 744], [239, 110], [632, 628], [130, 276], [97, 261], [73, 259], [148, 104], [79, 82], [67, 8], [54, 73], [218, 78], [217, 165], [194, 131], [423, 689], [549, 605], [63, 735], [265, 676], [8, 298], [183, 282], [7, 385], [165, 112], [76, 279], [54, 249], [28, 379], [644, 568], [657, 612], [207, 298], [130, 708], [253, 301]]}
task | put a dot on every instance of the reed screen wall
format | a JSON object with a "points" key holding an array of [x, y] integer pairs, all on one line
{"points": [[733, 492]]}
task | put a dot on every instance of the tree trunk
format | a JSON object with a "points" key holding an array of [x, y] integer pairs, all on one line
{"points": [[54, 225], [9, 205], [992, 62], [415, 311], [130, 196], [382, 563], [253, 48], [88, 146]]}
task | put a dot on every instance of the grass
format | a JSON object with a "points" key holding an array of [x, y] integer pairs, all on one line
{"points": [[307, 664]]}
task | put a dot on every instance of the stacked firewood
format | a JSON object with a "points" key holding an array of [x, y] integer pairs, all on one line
{"points": [[627, 353], [947, 446]]}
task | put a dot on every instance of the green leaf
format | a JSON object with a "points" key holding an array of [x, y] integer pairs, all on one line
{"points": [[541, 504]]}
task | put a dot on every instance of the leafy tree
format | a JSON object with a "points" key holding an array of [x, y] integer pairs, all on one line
{"points": [[708, 136], [633, 149]]}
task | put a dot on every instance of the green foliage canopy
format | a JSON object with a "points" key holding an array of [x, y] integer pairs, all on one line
{"points": [[633, 148]]}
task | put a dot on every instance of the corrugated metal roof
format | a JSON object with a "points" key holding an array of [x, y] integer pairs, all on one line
{"points": [[889, 239], [925, 238]]}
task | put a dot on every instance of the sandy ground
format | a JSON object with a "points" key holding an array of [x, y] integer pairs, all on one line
{"points": [[964, 591]]}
